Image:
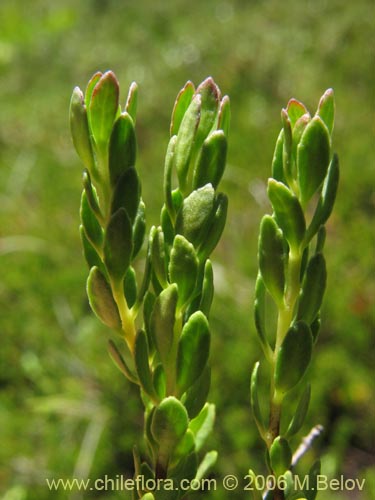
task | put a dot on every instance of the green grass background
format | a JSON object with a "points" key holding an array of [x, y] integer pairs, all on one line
{"points": [[65, 410]]}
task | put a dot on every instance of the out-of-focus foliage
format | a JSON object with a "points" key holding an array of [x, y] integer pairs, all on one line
{"points": [[65, 411]]}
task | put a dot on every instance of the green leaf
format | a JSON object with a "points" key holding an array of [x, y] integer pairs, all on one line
{"points": [[260, 316], [277, 161], [206, 465], [181, 105], [167, 185], [300, 413], [91, 255], [202, 425], [122, 147], [280, 456], [293, 357], [271, 258], [298, 131], [183, 268], [127, 194], [288, 213], [313, 288], [139, 229], [103, 108], [224, 116], [120, 362], [148, 306], [313, 156], [326, 200], [196, 395], [158, 257], [159, 381], [132, 101], [101, 299], [211, 161], [207, 289], [295, 110], [169, 424], [210, 98], [185, 140], [90, 87], [313, 489], [91, 195], [185, 446], [162, 322], [195, 214], [193, 350], [130, 287], [256, 493], [118, 245], [287, 147], [141, 359], [326, 109], [148, 496], [254, 399], [80, 132], [215, 227], [90, 224]]}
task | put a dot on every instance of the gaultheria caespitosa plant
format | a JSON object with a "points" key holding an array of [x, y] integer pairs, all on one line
{"points": [[292, 278], [162, 317]]}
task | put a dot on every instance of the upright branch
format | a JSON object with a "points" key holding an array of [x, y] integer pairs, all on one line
{"points": [[292, 276], [166, 348]]}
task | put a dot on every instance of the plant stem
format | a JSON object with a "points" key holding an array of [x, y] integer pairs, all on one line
{"points": [[126, 315]]}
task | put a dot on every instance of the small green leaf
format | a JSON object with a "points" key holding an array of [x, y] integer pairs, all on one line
{"points": [[185, 140], [122, 147], [195, 214], [132, 101], [103, 108], [159, 381], [313, 288], [211, 161], [288, 212], [224, 116], [119, 361], [183, 268], [312, 490], [315, 327], [287, 147], [254, 399], [202, 425], [158, 257], [196, 395], [90, 87], [313, 156], [260, 316], [271, 258], [210, 98], [126, 194], [130, 287], [181, 105], [298, 131], [148, 496], [118, 245], [101, 299], [326, 109], [193, 350], [277, 161], [169, 424], [206, 465], [167, 185], [293, 357], [215, 227], [90, 224], [91, 195], [162, 322], [295, 110], [80, 132], [300, 413], [280, 456], [91, 255], [326, 200], [185, 446], [207, 289], [139, 229], [256, 493], [141, 359]]}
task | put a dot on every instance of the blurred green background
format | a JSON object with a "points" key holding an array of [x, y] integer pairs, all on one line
{"points": [[65, 410]]}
